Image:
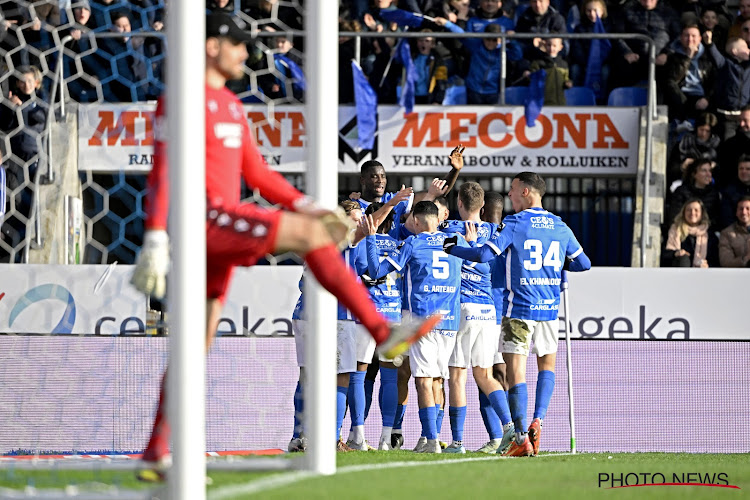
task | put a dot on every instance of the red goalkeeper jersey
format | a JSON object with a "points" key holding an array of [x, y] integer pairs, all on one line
{"points": [[230, 153]]}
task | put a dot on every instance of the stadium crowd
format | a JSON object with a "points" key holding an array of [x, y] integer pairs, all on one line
{"points": [[115, 53]]}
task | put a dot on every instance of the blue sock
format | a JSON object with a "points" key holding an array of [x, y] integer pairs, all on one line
{"points": [[489, 417], [299, 408], [340, 408], [518, 400], [369, 384], [389, 391], [428, 416], [380, 395], [439, 418], [458, 416], [499, 402], [545, 384], [357, 397], [400, 411]]}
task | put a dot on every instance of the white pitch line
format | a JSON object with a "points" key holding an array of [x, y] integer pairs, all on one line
{"points": [[282, 480]]}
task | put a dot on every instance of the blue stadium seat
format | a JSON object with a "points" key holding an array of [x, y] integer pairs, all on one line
{"points": [[455, 95], [516, 95], [628, 96], [580, 96]]}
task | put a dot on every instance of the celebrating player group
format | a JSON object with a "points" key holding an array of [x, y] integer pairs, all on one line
{"points": [[495, 284]]}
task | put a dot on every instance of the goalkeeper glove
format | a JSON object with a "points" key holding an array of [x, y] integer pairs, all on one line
{"points": [[449, 243], [150, 275]]}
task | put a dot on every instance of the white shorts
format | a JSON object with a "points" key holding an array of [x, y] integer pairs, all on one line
{"points": [[299, 328], [499, 355], [429, 356], [517, 335], [365, 344], [346, 346], [477, 338]]}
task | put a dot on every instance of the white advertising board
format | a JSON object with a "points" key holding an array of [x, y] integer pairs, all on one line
{"points": [[85, 299], [565, 140]]}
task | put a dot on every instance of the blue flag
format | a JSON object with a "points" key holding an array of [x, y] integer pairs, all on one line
{"points": [[298, 77], [598, 53], [535, 100], [408, 88], [402, 17], [366, 101]]}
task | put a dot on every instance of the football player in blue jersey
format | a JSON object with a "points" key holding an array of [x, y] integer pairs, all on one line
{"points": [[373, 180], [478, 334], [499, 427], [538, 246], [386, 295], [432, 283]]}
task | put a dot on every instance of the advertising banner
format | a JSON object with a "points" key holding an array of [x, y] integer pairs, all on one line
{"points": [[565, 140], [58, 299]]}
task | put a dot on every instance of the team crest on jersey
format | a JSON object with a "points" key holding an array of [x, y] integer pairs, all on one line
{"points": [[235, 110]]}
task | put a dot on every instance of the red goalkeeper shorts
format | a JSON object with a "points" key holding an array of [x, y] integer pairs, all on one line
{"points": [[236, 236]]}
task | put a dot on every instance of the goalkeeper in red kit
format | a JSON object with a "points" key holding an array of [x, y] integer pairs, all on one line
{"points": [[238, 234]]}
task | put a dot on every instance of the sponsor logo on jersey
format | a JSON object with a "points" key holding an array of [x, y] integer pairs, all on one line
{"points": [[542, 222]]}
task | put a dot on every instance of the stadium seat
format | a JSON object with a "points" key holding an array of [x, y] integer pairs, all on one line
{"points": [[516, 95], [455, 95], [580, 96], [628, 96]]}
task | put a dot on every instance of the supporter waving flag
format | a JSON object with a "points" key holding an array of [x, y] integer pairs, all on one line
{"points": [[403, 17], [535, 100]]}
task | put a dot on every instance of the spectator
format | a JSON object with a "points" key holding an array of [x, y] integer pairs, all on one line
{"points": [[23, 117], [220, 5], [273, 12], [736, 190], [539, 18], [78, 56], [736, 29], [580, 49], [696, 183], [489, 12], [702, 143], [646, 17], [123, 67], [733, 83], [288, 81], [709, 23], [690, 243], [347, 52], [432, 75], [558, 78], [734, 241], [483, 78], [734, 147], [687, 84], [102, 10]]}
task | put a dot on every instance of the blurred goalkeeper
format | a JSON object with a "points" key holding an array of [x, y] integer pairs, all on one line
{"points": [[238, 234]]}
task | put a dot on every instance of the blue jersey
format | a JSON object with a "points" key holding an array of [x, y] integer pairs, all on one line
{"points": [[535, 243], [476, 287], [385, 199], [497, 277], [385, 292], [432, 278]]}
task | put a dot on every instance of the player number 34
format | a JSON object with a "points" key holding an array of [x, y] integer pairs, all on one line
{"points": [[536, 249]]}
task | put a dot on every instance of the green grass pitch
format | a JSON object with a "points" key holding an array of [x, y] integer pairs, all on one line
{"points": [[403, 474]]}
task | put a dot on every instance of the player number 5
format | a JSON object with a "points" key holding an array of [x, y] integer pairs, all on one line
{"points": [[440, 265], [551, 258]]}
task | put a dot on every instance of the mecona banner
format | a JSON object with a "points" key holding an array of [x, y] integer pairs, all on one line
{"points": [[564, 140]]}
